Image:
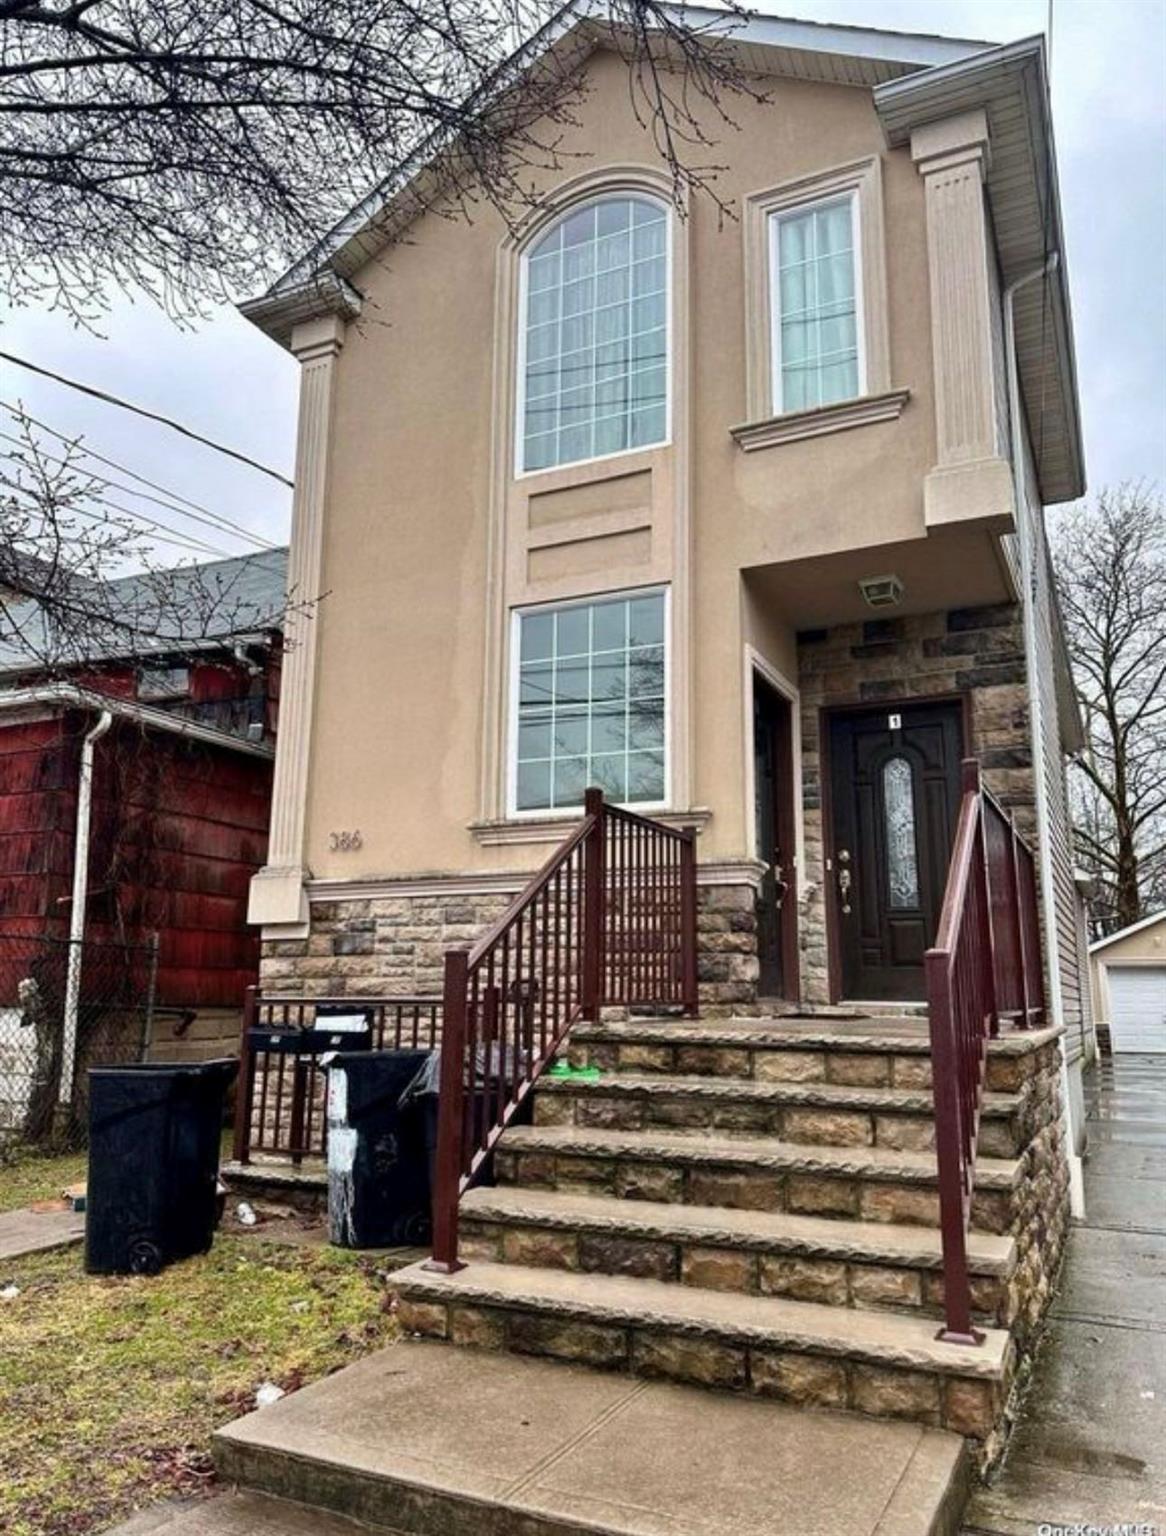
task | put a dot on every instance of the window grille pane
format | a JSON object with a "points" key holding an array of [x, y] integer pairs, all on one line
{"points": [[899, 816], [815, 304], [595, 280], [591, 702]]}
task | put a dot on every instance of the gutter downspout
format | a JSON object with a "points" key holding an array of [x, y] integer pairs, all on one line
{"points": [[1028, 578], [77, 911]]}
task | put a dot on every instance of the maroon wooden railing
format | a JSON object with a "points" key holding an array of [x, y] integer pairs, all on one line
{"points": [[280, 1099], [609, 919], [985, 966]]}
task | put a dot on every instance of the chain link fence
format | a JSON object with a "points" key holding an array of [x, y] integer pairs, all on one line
{"points": [[64, 1008]]}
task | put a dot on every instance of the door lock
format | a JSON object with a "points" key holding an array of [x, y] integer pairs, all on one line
{"points": [[844, 880]]}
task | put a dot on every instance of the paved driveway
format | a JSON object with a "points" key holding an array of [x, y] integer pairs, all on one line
{"points": [[1091, 1445]]}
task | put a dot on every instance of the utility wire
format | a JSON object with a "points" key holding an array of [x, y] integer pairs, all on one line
{"points": [[118, 485], [164, 535], [79, 443], [166, 421]]}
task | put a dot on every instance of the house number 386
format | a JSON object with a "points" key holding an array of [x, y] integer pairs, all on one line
{"points": [[345, 842]]}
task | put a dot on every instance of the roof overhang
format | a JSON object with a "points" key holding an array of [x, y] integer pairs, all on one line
{"points": [[1124, 933], [320, 282], [45, 699], [1010, 84]]}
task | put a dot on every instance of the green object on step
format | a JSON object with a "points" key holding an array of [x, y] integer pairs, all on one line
{"points": [[564, 1069]]}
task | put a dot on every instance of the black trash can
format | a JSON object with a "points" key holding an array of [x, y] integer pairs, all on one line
{"points": [[378, 1168], [423, 1096], [154, 1137]]}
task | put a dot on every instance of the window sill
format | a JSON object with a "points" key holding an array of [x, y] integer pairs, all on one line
{"points": [[793, 426], [553, 829]]}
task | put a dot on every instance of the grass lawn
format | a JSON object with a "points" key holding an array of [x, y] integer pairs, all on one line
{"points": [[110, 1388], [26, 1176]]}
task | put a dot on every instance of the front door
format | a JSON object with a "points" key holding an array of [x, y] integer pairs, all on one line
{"points": [[895, 794], [774, 810]]}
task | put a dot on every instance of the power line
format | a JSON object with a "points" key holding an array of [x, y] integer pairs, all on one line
{"points": [[166, 421], [164, 535], [118, 485], [218, 518]]}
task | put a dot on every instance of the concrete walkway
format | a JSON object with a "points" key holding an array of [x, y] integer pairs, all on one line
{"points": [[1091, 1445], [32, 1231]]}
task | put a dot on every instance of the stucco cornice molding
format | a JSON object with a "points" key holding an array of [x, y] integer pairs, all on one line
{"points": [[325, 295], [797, 425]]}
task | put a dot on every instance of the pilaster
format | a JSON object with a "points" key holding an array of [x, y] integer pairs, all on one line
{"points": [[278, 898], [971, 480]]}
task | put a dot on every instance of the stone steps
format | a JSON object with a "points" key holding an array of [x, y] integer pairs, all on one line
{"points": [[816, 1113], [750, 1173], [801, 1352], [884, 1051], [805, 1258]]}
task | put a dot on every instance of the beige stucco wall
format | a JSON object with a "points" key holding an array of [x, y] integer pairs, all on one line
{"points": [[1146, 947], [401, 744]]}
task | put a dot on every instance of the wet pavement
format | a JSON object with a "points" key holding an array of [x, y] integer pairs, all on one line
{"points": [[1091, 1444]]}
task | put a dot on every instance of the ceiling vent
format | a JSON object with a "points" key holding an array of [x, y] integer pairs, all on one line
{"points": [[881, 591]]}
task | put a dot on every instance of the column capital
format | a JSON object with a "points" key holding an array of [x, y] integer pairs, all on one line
{"points": [[951, 141], [320, 337]]}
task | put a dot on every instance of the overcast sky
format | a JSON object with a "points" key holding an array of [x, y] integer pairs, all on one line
{"points": [[231, 383]]}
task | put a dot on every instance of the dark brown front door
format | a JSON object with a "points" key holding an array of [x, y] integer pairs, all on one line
{"points": [[774, 809], [894, 786]]}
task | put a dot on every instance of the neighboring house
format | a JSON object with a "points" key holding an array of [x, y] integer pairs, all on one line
{"points": [[1129, 986], [741, 522], [136, 772]]}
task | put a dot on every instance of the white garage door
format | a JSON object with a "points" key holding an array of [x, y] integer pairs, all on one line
{"points": [[1137, 1007]]}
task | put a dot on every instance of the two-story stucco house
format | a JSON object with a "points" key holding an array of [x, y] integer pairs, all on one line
{"points": [[740, 521]]}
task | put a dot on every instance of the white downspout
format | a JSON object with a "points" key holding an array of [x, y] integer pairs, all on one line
{"points": [[1028, 576], [77, 912]]}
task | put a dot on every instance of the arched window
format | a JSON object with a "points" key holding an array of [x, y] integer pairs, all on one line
{"points": [[899, 816], [594, 334]]}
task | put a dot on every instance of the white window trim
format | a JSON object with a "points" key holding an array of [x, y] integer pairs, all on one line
{"points": [[766, 426], [614, 194], [775, 220], [568, 813]]}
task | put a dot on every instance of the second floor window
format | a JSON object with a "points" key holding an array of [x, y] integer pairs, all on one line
{"points": [[816, 325], [594, 353]]}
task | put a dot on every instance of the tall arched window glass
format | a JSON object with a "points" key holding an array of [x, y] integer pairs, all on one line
{"points": [[899, 818], [594, 354]]}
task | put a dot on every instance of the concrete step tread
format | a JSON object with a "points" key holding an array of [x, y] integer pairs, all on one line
{"points": [[879, 1338], [902, 1036], [812, 1095], [471, 1441], [752, 1152], [241, 1514], [812, 1236]]}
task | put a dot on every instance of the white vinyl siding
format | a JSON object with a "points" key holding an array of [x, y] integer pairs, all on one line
{"points": [[594, 344], [815, 305], [590, 703]]}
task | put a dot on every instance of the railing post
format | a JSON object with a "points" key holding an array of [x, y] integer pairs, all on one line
{"points": [[970, 784], [450, 1112], [1018, 913], [245, 1083], [593, 905], [690, 993], [957, 1298]]}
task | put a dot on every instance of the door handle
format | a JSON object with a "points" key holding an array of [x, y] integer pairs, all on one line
{"points": [[781, 885], [844, 880]]}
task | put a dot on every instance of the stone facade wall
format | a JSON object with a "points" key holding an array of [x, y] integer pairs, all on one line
{"points": [[393, 945], [978, 652]]}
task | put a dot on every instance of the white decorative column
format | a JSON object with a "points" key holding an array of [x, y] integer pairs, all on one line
{"points": [[278, 898], [972, 478]]}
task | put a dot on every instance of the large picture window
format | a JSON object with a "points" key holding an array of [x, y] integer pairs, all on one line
{"points": [[591, 691], [594, 356], [816, 351]]}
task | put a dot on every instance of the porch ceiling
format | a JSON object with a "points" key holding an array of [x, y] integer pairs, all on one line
{"points": [[951, 568]]}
